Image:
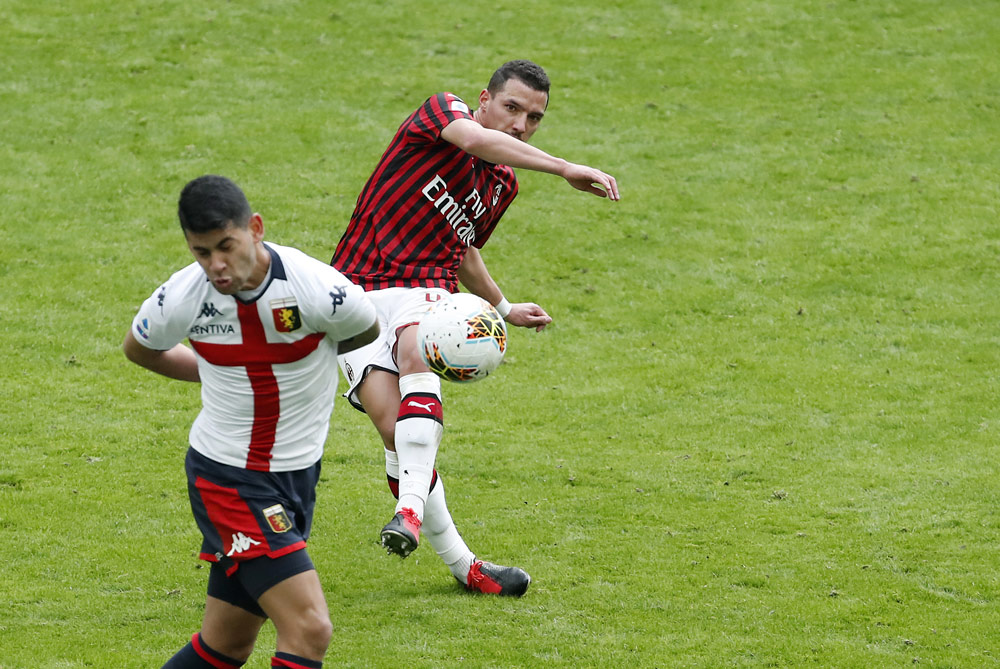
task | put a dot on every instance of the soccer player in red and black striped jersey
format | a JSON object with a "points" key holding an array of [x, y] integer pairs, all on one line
{"points": [[433, 200]]}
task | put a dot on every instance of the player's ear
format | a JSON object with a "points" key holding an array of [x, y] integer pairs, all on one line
{"points": [[256, 227], [484, 98]]}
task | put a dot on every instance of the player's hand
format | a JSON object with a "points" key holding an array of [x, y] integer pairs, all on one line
{"points": [[528, 315], [591, 180]]}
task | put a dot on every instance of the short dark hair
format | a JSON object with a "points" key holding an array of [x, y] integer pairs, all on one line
{"points": [[530, 73], [211, 203]]}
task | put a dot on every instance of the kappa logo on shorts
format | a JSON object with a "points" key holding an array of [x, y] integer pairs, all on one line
{"points": [[277, 518], [241, 542]]}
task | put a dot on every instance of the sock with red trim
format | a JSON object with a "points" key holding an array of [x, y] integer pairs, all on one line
{"points": [[419, 427], [392, 474], [438, 527], [198, 655], [289, 661]]}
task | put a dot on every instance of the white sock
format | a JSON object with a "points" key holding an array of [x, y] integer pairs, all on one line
{"points": [[440, 530], [391, 464], [419, 428], [438, 527]]}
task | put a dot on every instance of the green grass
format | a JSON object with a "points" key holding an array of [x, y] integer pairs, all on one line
{"points": [[760, 432]]}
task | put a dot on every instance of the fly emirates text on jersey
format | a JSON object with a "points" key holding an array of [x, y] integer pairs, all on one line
{"points": [[436, 191]]}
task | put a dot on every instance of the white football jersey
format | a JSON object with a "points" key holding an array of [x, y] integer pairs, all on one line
{"points": [[268, 367]]}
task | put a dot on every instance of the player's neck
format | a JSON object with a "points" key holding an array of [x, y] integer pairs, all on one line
{"points": [[261, 270]]}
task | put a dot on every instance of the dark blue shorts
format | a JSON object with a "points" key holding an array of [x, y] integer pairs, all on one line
{"points": [[254, 578], [245, 514]]}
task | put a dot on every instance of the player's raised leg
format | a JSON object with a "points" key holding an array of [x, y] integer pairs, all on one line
{"points": [[379, 394], [419, 427], [418, 430]]}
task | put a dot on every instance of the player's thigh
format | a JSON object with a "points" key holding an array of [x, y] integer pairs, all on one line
{"points": [[228, 629], [379, 395], [298, 608], [409, 357]]}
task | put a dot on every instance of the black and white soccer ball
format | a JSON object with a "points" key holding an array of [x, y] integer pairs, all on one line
{"points": [[462, 337]]}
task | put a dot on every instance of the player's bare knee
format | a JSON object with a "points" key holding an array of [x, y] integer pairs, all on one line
{"points": [[316, 630], [322, 630], [238, 651], [307, 634]]}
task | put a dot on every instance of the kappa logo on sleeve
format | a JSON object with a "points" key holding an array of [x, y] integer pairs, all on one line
{"points": [[337, 296]]}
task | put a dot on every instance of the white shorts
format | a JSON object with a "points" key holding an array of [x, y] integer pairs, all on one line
{"points": [[396, 308]]}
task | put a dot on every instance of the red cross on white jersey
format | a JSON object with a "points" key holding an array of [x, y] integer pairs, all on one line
{"points": [[258, 356]]}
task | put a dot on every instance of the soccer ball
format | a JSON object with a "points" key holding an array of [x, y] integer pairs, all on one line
{"points": [[462, 337]]}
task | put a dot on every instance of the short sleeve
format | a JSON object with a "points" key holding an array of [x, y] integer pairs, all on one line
{"points": [[161, 322], [349, 311], [434, 116], [337, 306]]}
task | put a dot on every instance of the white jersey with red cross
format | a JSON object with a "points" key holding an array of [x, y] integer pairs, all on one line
{"points": [[268, 366]]}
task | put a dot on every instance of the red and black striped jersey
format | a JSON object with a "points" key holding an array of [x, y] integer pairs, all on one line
{"points": [[426, 202]]}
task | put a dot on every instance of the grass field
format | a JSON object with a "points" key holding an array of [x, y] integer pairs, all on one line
{"points": [[760, 433]]}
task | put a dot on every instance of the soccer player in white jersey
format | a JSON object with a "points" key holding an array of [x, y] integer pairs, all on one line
{"points": [[265, 324]]}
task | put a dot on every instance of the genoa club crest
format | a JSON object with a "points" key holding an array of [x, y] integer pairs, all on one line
{"points": [[277, 518], [286, 315]]}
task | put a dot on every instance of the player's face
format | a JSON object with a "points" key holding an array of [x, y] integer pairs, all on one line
{"points": [[516, 109], [233, 258]]}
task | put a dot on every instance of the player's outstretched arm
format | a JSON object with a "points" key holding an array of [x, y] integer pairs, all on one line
{"points": [[176, 363], [502, 149], [476, 278]]}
